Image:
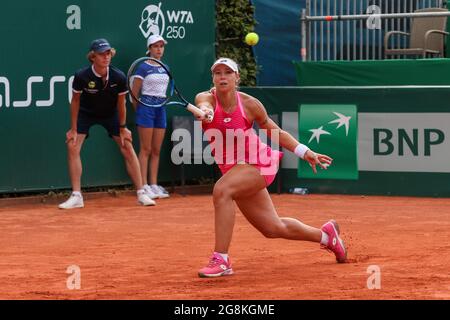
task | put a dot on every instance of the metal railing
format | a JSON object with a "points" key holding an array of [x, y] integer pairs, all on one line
{"points": [[339, 29]]}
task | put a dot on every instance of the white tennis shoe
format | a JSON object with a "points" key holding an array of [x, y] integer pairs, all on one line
{"points": [[144, 199], [74, 201], [149, 192], [159, 191]]}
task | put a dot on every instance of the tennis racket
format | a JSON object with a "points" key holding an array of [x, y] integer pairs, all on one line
{"points": [[172, 91]]}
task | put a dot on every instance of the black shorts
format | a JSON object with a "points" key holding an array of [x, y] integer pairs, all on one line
{"points": [[85, 122]]}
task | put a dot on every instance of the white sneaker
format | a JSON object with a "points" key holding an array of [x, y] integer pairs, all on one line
{"points": [[75, 201], [145, 200], [149, 192], [159, 191]]}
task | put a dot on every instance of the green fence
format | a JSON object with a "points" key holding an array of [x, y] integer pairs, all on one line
{"points": [[403, 138], [374, 73], [45, 42]]}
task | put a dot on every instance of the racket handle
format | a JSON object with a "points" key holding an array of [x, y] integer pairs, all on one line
{"points": [[196, 111]]}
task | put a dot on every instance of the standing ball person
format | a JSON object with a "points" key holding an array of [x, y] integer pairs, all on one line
{"points": [[150, 83], [99, 92]]}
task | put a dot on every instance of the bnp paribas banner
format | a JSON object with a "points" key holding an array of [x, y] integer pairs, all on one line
{"points": [[404, 142], [331, 130], [45, 42]]}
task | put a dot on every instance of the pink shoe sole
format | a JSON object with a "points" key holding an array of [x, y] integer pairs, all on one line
{"points": [[227, 272]]}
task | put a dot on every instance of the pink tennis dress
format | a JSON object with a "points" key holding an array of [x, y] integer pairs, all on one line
{"points": [[234, 141]]}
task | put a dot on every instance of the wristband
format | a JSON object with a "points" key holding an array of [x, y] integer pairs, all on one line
{"points": [[300, 150], [123, 125]]}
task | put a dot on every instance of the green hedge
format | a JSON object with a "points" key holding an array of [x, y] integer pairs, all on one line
{"points": [[235, 18]]}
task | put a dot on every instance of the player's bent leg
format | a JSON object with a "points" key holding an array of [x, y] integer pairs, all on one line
{"points": [[240, 180], [260, 212], [224, 217]]}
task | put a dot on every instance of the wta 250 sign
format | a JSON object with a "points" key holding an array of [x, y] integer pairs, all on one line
{"points": [[170, 23], [156, 18]]}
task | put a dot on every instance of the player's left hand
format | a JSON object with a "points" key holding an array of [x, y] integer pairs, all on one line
{"points": [[317, 159], [125, 135]]}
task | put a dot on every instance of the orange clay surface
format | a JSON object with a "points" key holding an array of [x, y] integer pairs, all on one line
{"points": [[126, 251]]}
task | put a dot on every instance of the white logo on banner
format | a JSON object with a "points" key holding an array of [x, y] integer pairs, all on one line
{"points": [[32, 82], [154, 20], [341, 120]]}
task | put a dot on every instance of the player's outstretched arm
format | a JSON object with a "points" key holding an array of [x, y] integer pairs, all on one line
{"points": [[204, 101], [285, 139]]}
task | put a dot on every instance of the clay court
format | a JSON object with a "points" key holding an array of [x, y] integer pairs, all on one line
{"points": [[125, 251]]}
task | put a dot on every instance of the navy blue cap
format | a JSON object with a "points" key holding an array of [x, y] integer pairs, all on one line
{"points": [[100, 45]]}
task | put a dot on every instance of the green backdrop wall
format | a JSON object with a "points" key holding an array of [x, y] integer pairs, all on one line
{"points": [[45, 42], [403, 138], [398, 72]]}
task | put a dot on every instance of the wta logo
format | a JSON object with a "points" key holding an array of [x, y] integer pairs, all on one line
{"points": [[171, 24]]}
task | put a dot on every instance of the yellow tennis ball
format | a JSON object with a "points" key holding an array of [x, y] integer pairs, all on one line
{"points": [[251, 38]]}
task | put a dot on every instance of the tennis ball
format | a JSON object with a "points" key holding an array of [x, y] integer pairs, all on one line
{"points": [[251, 38]]}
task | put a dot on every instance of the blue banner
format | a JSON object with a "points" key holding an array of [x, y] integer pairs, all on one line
{"points": [[279, 33]]}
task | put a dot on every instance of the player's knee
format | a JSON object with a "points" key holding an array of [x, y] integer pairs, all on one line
{"points": [[220, 193], [127, 150], [155, 152], [145, 150], [73, 150]]}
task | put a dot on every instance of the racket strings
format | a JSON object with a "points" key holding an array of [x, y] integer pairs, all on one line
{"points": [[170, 88]]}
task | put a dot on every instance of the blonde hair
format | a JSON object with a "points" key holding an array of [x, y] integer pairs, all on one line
{"points": [[91, 54]]}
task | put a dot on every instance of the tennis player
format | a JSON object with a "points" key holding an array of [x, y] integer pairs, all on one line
{"points": [[150, 84], [246, 176], [99, 98]]}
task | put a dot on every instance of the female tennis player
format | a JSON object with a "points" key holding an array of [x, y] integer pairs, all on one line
{"points": [[150, 84], [248, 171]]}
